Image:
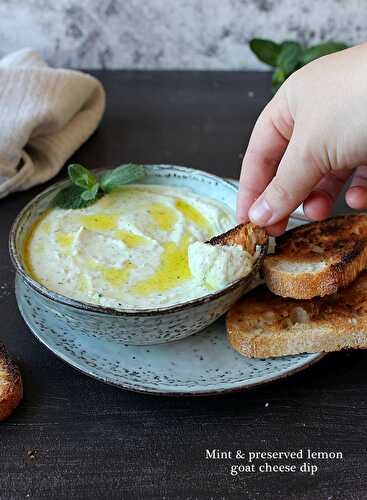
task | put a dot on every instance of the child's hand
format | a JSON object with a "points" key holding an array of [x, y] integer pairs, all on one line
{"points": [[306, 143]]}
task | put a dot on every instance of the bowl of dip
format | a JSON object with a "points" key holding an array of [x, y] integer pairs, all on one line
{"points": [[120, 270]]}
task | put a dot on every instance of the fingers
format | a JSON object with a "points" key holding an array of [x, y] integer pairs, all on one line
{"points": [[319, 203], [278, 228], [356, 196], [266, 146], [296, 177]]}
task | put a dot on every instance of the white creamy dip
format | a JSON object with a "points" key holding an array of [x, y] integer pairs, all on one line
{"points": [[216, 266], [130, 249]]}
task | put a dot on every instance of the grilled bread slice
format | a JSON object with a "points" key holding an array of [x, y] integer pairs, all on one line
{"points": [[11, 387], [263, 325], [248, 236], [318, 258]]}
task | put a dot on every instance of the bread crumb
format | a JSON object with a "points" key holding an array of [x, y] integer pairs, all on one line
{"points": [[269, 317], [299, 315]]}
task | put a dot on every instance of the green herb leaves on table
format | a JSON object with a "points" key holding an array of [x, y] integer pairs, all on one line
{"points": [[288, 56], [85, 188]]}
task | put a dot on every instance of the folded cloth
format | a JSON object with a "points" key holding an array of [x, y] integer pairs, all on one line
{"points": [[45, 115]]}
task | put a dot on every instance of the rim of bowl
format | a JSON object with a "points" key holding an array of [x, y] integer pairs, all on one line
{"points": [[17, 260]]}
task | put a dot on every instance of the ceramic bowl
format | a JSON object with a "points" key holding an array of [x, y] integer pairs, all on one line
{"points": [[130, 326]]}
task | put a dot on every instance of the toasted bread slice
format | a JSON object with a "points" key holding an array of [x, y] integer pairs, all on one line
{"points": [[263, 325], [318, 258], [11, 387], [248, 236]]}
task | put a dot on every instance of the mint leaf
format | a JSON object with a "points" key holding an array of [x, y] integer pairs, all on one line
{"points": [[322, 49], [91, 194], [288, 43], [81, 176], [289, 58], [265, 50], [125, 174], [70, 197], [278, 78]]}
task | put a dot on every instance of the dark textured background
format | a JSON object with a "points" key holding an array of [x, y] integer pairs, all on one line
{"points": [[75, 438]]}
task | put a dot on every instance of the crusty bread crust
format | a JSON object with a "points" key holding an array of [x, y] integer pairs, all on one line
{"points": [[11, 386], [248, 236], [336, 248], [263, 325]]}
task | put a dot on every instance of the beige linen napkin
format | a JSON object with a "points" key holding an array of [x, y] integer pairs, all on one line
{"points": [[45, 115]]}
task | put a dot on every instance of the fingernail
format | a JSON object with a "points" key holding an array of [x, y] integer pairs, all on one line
{"points": [[260, 212]]}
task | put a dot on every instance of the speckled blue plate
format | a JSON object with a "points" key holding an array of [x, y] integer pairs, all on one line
{"points": [[201, 364], [198, 365]]}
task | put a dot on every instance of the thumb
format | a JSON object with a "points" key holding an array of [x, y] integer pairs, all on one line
{"points": [[297, 174]]}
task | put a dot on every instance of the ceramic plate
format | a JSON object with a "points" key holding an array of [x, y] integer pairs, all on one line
{"points": [[201, 364]]}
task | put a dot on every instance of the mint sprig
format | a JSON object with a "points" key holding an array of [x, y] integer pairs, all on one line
{"points": [[288, 56], [86, 188]]}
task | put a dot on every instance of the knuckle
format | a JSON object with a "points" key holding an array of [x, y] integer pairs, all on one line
{"points": [[311, 159]]}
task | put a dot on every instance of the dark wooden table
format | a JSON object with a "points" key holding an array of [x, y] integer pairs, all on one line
{"points": [[73, 437]]}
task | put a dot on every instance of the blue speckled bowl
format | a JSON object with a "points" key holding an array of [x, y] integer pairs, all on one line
{"points": [[130, 326]]}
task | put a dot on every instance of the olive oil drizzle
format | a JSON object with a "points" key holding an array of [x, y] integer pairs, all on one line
{"points": [[172, 271]]}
